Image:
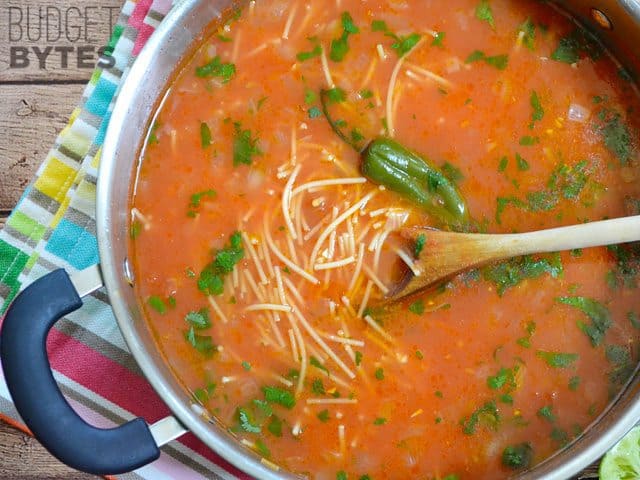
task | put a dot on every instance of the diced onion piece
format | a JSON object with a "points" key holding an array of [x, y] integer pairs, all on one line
{"points": [[578, 113]]}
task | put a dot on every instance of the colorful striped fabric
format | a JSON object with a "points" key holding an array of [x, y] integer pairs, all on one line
{"points": [[53, 226]]}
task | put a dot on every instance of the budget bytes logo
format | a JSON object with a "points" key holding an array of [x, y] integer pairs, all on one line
{"points": [[47, 37]]}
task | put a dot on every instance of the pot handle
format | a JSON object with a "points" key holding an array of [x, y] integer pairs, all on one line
{"points": [[39, 400]]}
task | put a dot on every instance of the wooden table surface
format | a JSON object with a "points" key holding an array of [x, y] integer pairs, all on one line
{"points": [[34, 105]]}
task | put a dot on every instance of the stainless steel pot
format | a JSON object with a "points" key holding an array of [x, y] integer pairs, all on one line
{"points": [[130, 446]]}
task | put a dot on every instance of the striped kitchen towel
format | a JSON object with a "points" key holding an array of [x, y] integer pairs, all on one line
{"points": [[53, 226]]}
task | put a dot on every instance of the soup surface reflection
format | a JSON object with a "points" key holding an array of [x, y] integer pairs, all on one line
{"points": [[264, 243]]}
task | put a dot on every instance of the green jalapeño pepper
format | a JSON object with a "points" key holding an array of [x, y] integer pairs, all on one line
{"points": [[386, 162]]}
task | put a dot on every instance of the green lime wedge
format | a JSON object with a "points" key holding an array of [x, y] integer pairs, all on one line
{"points": [[622, 462]]}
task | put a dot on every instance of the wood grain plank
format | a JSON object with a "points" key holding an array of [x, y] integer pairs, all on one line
{"points": [[52, 28], [30, 119], [22, 457]]}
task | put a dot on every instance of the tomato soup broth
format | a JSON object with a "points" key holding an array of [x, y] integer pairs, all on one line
{"points": [[263, 250]]}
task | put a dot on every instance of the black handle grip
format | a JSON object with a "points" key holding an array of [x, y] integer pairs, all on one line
{"points": [[39, 400]]}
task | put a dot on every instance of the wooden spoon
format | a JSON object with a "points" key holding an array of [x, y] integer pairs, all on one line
{"points": [[446, 254]]}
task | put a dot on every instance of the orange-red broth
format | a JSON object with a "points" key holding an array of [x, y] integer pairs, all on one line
{"points": [[420, 376]]}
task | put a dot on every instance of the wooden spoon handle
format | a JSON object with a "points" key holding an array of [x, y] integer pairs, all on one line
{"points": [[605, 232]]}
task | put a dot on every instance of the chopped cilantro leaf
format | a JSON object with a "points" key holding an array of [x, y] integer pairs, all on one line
{"points": [[246, 366], [541, 201], [135, 229], [279, 396], [546, 412], [356, 135], [616, 135], [316, 363], [323, 416], [340, 46], [503, 376], [522, 164], [341, 475], [574, 383], [559, 436], [196, 198], [365, 94], [336, 95], [528, 141], [380, 421], [627, 263], [438, 39], [598, 313], [310, 96], [262, 448], [528, 29], [379, 374], [314, 112], [498, 61], [487, 415], [506, 398], [246, 422], [275, 426], [484, 13], [153, 134], [379, 26], [317, 387], [633, 318], [557, 359], [202, 343], [503, 163], [518, 457], [570, 47], [261, 102], [244, 146], [157, 304], [419, 355], [538, 112], [620, 357], [417, 307], [358, 358], [404, 45], [348, 25], [304, 56], [202, 395], [205, 135], [503, 202], [199, 320], [524, 342], [617, 354], [475, 56], [421, 240], [215, 68], [510, 273], [567, 51], [211, 279]]}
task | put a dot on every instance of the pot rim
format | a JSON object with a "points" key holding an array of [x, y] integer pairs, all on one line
{"points": [[619, 417]]}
